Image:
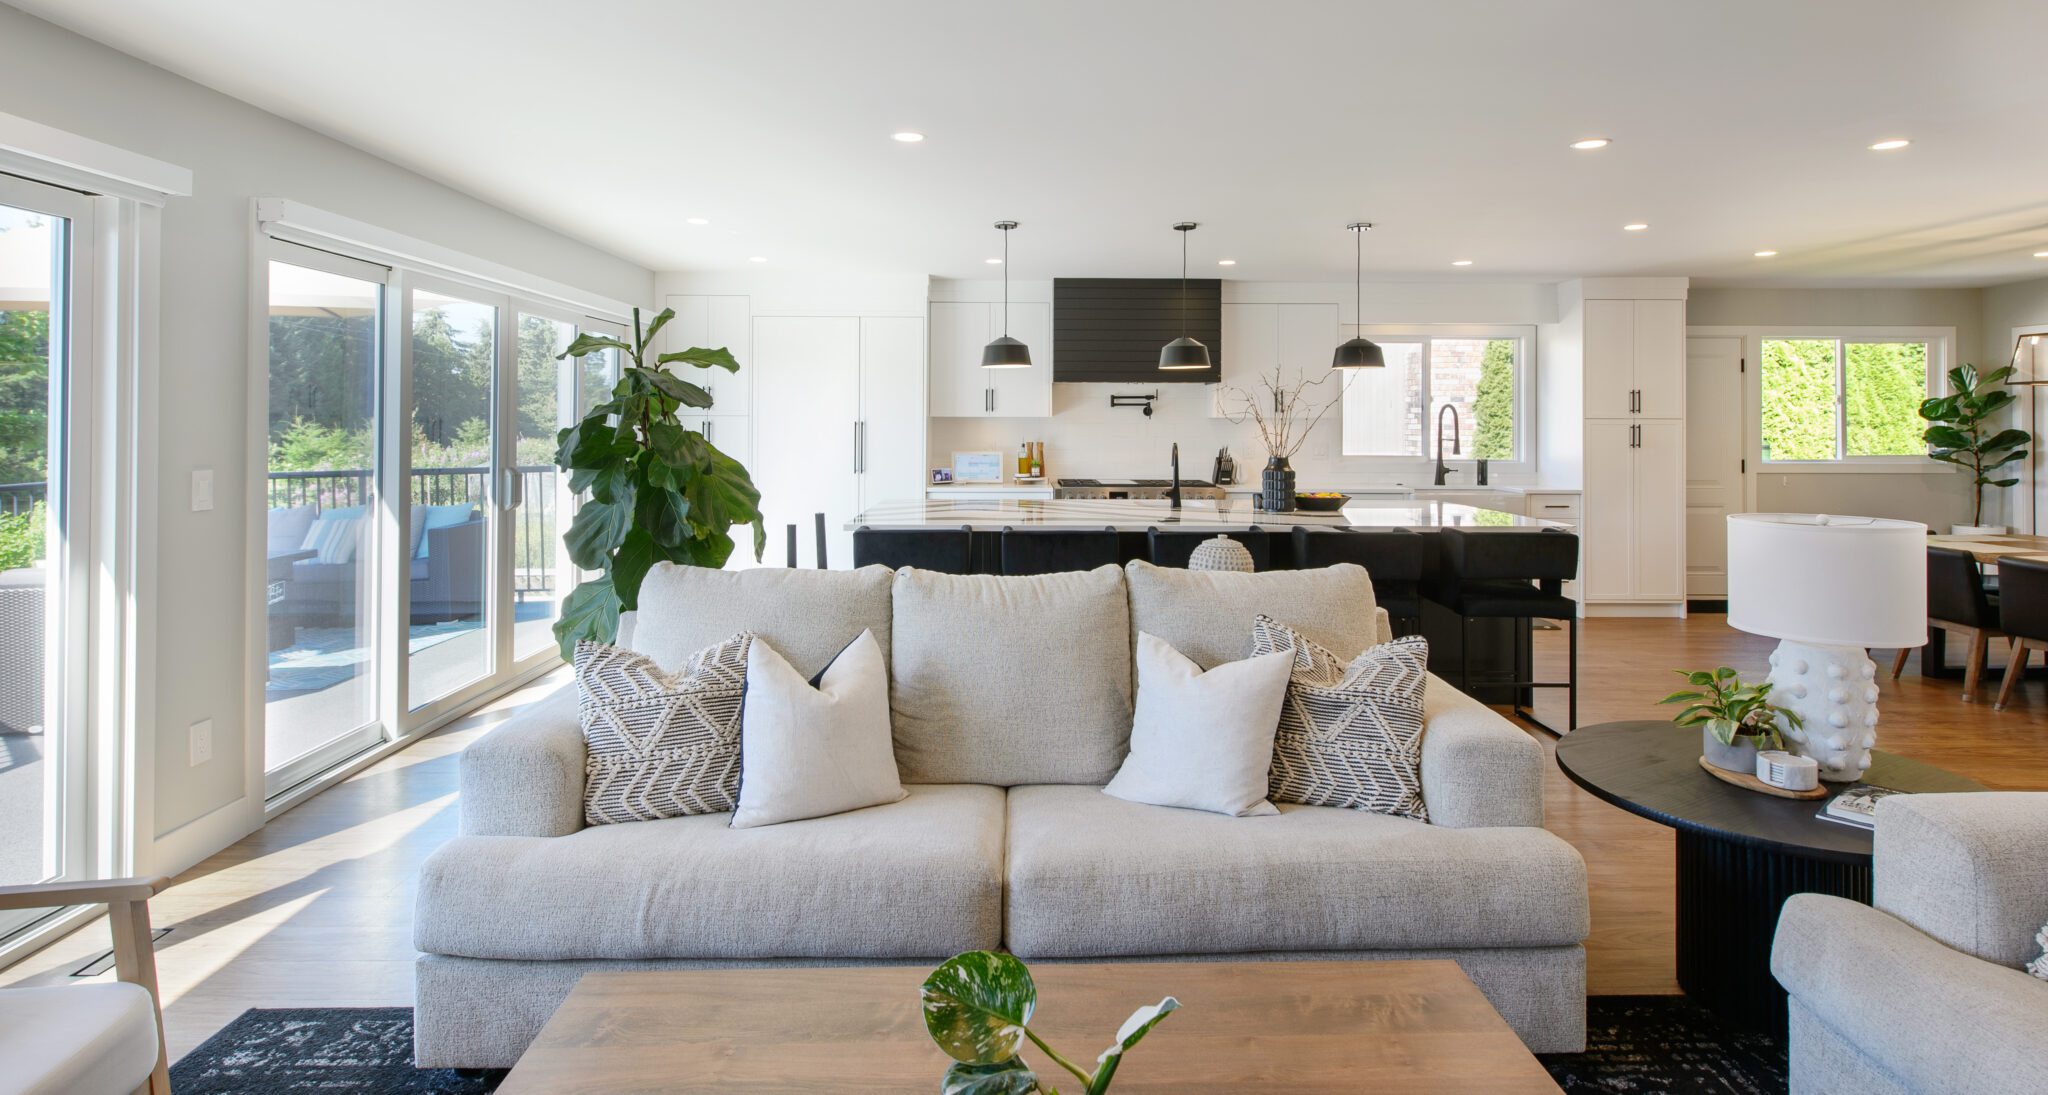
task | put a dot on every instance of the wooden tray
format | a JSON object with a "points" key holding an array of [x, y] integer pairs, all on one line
{"points": [[1750, 783]]}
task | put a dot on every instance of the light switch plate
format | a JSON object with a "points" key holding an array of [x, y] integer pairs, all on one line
{"points": [[202, 742], [202, 489]]}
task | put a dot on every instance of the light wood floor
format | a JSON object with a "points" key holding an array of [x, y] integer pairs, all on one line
{"points": [[316, 909]]}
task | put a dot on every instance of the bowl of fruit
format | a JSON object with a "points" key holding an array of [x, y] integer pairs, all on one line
{"points": [[1321, 501]]}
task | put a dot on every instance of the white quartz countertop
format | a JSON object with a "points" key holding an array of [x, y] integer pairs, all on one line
{"points": [[1138, 515]]}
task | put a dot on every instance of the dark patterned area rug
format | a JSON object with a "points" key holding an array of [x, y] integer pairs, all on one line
{"points": [[1635, 1045]]}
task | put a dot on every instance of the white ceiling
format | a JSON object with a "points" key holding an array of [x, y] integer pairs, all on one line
{"points": [[1738, 126]]}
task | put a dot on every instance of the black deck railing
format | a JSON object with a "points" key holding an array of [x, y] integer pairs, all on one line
{"points": [[16, 498]]}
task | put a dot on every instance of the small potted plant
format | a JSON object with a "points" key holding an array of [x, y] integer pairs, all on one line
{"points": [[1735, 719], [978, 1007], [1957, 434]]}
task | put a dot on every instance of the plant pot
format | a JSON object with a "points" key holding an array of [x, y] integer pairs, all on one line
{"points": [[1739, 757], [1277, 483], [1976, 530]]}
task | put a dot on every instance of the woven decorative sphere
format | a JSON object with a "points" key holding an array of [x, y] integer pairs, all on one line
{"points": [[1222, 553]]}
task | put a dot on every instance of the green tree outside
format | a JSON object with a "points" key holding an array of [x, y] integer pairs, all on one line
{"points": [[1883, 384], [1493, 410]]}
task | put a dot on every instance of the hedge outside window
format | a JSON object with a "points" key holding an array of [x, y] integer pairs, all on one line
{"points": [[1834, 398]]}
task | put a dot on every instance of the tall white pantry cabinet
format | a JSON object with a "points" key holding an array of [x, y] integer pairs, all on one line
{"points": [[1631, 341]]}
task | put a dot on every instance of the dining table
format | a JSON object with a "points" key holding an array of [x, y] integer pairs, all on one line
{"points": [[1987, 550]]}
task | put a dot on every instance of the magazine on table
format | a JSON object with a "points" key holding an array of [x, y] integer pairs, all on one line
{"points": [[1857, 806]]}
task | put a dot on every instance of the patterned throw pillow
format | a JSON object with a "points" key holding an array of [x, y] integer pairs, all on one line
{"points": [[1350, 735], [661, 744], [2039, 966]]}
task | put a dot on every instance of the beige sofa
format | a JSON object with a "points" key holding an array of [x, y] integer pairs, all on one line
{"points": [[1011, 705]]}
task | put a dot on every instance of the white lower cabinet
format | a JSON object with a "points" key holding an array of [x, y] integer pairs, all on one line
{"points": [[1633, 521], [844, 428]]}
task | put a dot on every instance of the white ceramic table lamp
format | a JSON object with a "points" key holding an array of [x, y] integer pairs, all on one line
{"points": [[1828, 587]]}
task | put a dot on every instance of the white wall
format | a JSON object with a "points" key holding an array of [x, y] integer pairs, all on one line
{"points": [[236, 153], [1939, 499], [1085, 438]]}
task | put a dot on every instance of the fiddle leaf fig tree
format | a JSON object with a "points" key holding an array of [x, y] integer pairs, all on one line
{"points": [[978, 1008], [1957, 432], [657, 490]]}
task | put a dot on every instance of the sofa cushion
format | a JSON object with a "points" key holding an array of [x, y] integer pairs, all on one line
{"points": [[1008, 680], [1207, 614], [808, 616], [1095, 876], [920, 878]]}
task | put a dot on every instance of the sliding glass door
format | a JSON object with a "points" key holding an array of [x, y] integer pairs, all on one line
{"points": [[44, 538]]}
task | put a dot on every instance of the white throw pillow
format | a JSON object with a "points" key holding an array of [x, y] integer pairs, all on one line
{"points": [[810, 751], [1199, 740]]}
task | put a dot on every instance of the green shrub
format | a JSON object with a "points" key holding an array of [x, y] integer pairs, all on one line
{"points": [[21, 537]]}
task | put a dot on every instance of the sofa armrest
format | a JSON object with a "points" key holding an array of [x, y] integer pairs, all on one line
{"points": [[1478, 769], [1935, 1019], [1382, 626], [525, 778], [1968, 869]]}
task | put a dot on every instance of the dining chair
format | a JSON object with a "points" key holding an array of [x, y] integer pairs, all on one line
{"points": [[1957, 601], [2023, 616]]}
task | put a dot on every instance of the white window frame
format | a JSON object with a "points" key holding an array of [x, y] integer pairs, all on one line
{"points": [[1523, 461], [1941, 356]]}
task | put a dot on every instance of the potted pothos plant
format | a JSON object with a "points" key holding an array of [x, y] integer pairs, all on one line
{"points": [[978, 1008], [1958, 433], [1735, 719], [657, 490]]}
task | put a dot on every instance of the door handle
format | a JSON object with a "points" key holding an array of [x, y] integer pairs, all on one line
{"points": [[860, 433], [512, 489], [856, 446]]}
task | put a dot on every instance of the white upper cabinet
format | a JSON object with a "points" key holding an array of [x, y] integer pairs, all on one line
{"points": [[1298, 338], [1635, 358], [713, 322], [961, 388]]}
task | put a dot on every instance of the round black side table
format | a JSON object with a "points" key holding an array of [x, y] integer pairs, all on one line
{"points": [[1740, 853]]}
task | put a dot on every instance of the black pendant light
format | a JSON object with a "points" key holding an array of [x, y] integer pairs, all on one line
{"points": [[1184, 352], [1006, 352], [1360, 352]]}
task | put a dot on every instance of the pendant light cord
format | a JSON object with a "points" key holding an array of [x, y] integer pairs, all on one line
{"points": [[1006, 283], [1183, 283], [1357, 275]]}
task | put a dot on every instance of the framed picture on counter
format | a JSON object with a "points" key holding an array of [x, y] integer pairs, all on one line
{"points": [[977, 467], [941, 476]]}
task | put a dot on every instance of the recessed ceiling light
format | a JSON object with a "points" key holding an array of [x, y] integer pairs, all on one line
{"points": [[1636, 227], [1591, 143], [696, 220], [1763, 254], [758, 258], [2041, 254], [1226, 262], [1890, 144], [1461, 262], [993, 262], [907, 136]]}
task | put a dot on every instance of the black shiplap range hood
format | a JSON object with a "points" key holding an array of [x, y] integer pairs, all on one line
{"points": [[1109, 330]]}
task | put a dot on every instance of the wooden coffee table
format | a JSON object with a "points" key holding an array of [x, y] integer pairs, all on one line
{"points": [[1243, 1027]]}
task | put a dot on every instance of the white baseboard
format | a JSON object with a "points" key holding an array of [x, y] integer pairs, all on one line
{"points": [[186, 846], [1673, 610]]}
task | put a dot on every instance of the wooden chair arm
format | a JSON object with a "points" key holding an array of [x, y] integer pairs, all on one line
{"points": [[52, 895]]}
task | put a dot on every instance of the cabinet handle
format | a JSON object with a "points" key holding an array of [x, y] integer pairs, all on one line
{"points": [[862, 432], [707, 429], [1556, 507], [856, 447]]}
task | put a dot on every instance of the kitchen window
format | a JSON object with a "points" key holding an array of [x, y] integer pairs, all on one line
{"points": [[1843, 398], [1479, 371]]}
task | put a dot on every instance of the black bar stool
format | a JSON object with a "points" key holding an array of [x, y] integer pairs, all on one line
{"points": [[948, 551], [1517, 576], [1051, 550], [1958, 601], [1392, 558], [2023, 615], [1174, 547]]}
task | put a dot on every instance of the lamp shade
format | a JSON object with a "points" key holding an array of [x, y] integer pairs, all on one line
{"points": [[1359, 353], [1006, 353], [1828, 581], [1183, 353]]}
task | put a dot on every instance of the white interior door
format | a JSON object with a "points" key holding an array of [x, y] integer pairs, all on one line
{"points": [[805, 438], [892, 429], [1713, 461]]}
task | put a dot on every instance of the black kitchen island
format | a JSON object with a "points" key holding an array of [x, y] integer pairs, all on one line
{"points": [[1500, 652]]}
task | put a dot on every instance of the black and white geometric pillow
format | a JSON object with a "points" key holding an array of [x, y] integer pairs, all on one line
{"points": [[1350, 734], [660, 744]]}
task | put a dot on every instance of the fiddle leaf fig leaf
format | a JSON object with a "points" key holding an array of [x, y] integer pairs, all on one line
{"points": [[597, 529], [720, 358], [977, 1004], [654, 325], [1003, 1078], [676, 388], [587, 344], [590, 611]]}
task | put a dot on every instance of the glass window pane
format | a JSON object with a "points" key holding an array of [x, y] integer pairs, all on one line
{"points": [[32, 735], [1476, 376], [1383, 407], [1884, 386], [539, 566], [596, 375], [1799, 399], [320, 581], [454, 362]]}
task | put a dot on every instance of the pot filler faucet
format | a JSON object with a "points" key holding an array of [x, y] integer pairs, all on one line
{"points": [[1443, 469], [1173, 492]]}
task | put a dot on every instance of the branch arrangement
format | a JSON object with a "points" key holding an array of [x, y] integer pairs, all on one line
{"points": [[1285, 415]]}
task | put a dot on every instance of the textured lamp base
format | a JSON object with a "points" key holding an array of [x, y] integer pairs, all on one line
{"points": [[1834, 691]]}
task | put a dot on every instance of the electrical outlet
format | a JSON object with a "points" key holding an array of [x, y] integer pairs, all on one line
{"points": [[202, 489], [202, 742]]}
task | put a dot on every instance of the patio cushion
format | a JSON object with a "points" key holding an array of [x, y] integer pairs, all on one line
{"points": [[432, 517], [336, 535], [1093, 876], [286, 529], [919, 878]]}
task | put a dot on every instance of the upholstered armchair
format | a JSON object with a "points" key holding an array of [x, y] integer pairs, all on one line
{"points": [[1926, 991], [90, 1039]]}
